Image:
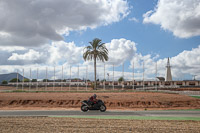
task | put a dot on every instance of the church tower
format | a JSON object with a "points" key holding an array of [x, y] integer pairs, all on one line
{"points": [[168, 72]]}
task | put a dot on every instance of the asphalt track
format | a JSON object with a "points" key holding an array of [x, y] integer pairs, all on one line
{"points": [[98, 113]]}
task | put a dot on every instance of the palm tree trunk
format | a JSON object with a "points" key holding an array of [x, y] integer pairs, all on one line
{"points": [[95, 74]]}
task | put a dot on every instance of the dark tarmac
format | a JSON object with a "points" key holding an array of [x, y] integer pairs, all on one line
{"points": [[98, 113]]}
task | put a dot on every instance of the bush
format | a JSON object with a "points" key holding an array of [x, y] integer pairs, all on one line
{"points": [[121, 79], [93, 86], [44, 80], [26, 80], [4, 82], [14, 80], [34, 80], [103, 80]]}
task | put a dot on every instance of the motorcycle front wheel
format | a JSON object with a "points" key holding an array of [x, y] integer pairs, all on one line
{"points": [[84, 108], [102, 108]]}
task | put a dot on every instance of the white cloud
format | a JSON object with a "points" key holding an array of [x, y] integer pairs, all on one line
{"points": [[32, 23], [55, 53], [184, 64], [120, 50], [182, 17], [149, 65], [12, 49], [23, 56], [61, 52], [187, 62], [133, 19], [4, 34], [30, 55], [6, 52]]}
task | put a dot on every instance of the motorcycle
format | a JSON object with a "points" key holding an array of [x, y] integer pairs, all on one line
{"points": [[99, 105]]}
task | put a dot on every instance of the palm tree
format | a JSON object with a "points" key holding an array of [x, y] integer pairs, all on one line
{"points": [[96, 51]]}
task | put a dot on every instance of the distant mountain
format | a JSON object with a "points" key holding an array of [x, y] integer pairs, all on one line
{"points": [[10, 76]]}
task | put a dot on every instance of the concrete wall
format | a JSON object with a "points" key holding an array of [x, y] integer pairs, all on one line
{"points": [[125, 83]]}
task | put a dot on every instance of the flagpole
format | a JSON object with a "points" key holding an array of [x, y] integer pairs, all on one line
{"points": [[30, 80], [23, 80], [17, 79], [104, 77], [54, 77], [86, 76], [37, 78], [113, 77], [70, 78], [143, 75], [156, 77], [123, 77], [46, 79], [133, 77], [62, 79], [78, 79]]}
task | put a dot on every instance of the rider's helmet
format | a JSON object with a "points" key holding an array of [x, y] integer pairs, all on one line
{"points": [[95, 96]]}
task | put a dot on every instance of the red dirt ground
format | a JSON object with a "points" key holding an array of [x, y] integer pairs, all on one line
{"points": [[122, 100]]}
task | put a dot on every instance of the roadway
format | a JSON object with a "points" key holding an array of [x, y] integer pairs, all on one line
{"points": [[4, 113]]}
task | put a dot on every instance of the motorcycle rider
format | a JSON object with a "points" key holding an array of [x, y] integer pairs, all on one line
{"points": [[92, 100]]}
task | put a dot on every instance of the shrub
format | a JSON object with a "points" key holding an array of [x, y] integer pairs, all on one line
{"points": [[121, 79], [93, 86], [103, 80], [44, 80], [4, 82], [34, 80], [26, 80], [14, 80]]}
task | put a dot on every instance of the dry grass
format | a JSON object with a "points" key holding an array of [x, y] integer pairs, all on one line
{"points": [[70, 125]]}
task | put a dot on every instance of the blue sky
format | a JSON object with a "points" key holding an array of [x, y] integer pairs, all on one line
{"points": [[150, 38], [54, 33]]}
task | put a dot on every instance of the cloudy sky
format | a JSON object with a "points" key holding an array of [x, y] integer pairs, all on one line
{"points": [[45, 33]]}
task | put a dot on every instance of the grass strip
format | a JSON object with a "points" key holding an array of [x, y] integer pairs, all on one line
{"points": [[181, 110], [196, 97], [133, 117]]}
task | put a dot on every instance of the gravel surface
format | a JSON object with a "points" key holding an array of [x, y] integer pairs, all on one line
{"points": [[75, 125]]}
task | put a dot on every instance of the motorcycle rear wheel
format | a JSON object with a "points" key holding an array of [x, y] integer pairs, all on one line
{"points": [[84, 108]]}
